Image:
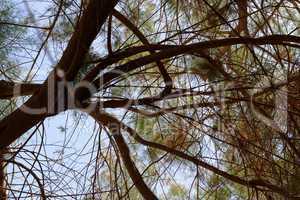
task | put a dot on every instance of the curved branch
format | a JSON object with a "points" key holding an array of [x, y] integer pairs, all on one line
{"points": [[143, 39], [43, 194], [168, 51], [125, 154], [176, 50], [256, 183]]}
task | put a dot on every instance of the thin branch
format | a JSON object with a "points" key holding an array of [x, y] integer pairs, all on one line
{"points": [[256, 183], [125, 154]]}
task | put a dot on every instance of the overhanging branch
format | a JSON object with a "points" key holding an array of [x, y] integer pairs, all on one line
{"points": [[86, 30]]}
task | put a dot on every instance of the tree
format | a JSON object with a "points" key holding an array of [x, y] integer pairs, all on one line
{"points": [[8, 37], [172, 99]]}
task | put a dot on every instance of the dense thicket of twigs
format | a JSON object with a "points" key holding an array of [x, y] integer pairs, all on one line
{"points": [[191, 99]]}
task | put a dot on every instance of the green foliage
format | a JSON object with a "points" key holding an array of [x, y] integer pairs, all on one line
{"points": [[177, 192], [9, 36], [144, 125], [6, 31], [203, 68], [221, 192], [6, 107]]}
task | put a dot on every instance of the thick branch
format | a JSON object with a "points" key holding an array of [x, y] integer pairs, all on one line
{"points": [[175, 50], [10, 89], [167, 51], [243, 13], [85, 32]]}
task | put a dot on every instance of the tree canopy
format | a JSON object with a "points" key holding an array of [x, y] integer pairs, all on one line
{"points": [[150, 99]]}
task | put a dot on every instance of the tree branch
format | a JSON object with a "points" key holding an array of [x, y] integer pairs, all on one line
{"points": [[248, 183], [86, 30], [9, 89], [168, 51], [143, 39], [125, 154]]}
